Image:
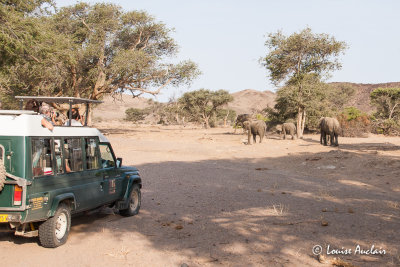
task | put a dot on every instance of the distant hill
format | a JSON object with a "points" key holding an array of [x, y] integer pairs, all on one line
{"points": [[361, 98], [245, 101], [114, 108], [251, 101]]}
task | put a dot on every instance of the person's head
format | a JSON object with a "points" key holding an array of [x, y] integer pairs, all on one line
{"points": [[32, 104], [75, 114], [45, 109]]}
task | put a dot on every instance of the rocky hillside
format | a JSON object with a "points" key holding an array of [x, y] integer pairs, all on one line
{"points": [[252, 101], [361, 98], [114, 108]]}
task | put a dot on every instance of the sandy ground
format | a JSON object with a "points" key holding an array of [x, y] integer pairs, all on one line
{"points": [[210, 200]]}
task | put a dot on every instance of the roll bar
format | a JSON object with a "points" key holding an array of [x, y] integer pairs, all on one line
{"points": [[61, 99]]}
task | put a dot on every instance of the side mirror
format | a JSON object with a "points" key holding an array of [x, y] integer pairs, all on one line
{"points": [[119, 162]]}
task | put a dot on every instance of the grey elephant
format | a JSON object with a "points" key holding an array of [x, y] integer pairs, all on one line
{"points": [[289, 128], [241, 118], [255, 128], [278, 128], [331, 127]]}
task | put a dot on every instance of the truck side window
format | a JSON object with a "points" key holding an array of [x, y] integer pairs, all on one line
{"points": [[107, 159], [41, 157], [59, 156], [73, 154], [92, 159]]}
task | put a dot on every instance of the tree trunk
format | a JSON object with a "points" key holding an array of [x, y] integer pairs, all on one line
{"points": [[207, 124], [301, 122], [226, 118]]}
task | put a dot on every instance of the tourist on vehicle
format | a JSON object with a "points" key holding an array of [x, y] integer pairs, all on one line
{"points": [[76, 118], [33, 105], [48, 118]]}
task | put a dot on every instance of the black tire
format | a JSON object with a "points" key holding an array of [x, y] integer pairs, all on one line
{"points": [[54, 232], [135, 200], [2, 175]]}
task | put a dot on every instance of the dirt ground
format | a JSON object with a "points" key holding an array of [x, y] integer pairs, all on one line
{"points": [[210, 200]]}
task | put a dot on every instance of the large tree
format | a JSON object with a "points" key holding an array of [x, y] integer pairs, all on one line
{"points": [[297, 60], [203, 104], [119, 51], [92, 50]]}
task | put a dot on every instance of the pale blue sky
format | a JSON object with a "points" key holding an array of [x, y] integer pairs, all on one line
{"points": [[226, 37]]}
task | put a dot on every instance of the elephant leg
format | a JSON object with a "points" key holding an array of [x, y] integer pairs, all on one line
{"points": [[261, 137], [325, 143], [336, 140], [255, 138], [284, 134], [249, 138], [320, 138], [332, 136]]}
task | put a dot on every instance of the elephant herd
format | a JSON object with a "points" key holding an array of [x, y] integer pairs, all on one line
{"points": [[328, 127]]}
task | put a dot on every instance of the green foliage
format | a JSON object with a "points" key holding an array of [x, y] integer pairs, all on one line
{"points": [[86, 51], [387, 102], [299, 61], [354, 122], [135, 114], [352, 113], [262, 117], [338, 96], [203, 104], [291, 58], [225, 115]]}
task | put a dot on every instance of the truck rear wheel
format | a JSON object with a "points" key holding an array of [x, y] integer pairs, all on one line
{"points": [[134, 202], [2, 175], [54, 232]]}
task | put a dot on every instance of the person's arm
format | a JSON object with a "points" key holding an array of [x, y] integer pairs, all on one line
{"points": [[47, 124], [67, 168]]}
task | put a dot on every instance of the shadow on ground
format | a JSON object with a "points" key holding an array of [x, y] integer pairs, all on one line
{"points": [[248, 212]]}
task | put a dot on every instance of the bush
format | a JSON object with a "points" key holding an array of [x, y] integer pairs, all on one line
{"points": [[354, 122], [386, 127], [261, 117], [135, 114]]}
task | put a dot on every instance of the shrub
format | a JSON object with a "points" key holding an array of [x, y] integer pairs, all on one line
{"points": [[354, 122], [135, 114], [386, 127], [262, 117]]}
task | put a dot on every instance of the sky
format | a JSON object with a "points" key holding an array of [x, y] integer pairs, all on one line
{"points": [[226, 37]]}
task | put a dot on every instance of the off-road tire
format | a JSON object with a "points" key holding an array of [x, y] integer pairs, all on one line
{"points": [[61, 222], [2, 175], [135, 200]]}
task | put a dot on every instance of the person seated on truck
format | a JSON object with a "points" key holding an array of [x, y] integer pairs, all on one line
{"points": [[75, 118], [48, 118], [33, 105]]}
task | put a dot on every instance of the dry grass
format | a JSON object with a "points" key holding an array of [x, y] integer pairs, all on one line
{"points": [[280, 209]]}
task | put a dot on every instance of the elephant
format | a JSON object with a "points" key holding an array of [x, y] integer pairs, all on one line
{"points": [[255, 128], [331, 127], [241, 118], [289, 128], [278, 128]]}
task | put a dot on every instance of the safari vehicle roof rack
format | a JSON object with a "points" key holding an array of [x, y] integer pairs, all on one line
{"points": [[61, 99]]}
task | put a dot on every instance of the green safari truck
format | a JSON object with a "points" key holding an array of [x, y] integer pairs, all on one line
{"points": [[45, 176]]}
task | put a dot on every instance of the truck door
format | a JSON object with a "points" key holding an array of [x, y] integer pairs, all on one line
{"points": [[112, 182]]}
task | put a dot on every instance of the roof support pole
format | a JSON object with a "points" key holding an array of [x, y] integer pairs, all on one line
{"points": [[87, 113], [70, 112]]}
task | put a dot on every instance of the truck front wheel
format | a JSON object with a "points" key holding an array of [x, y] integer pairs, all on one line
{"points": [[54, 232], [134, 202]]}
